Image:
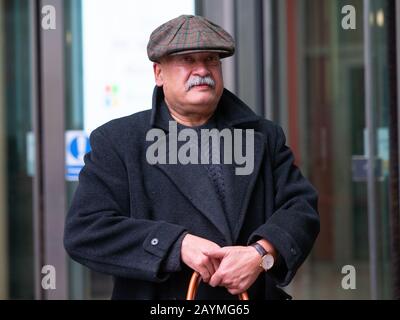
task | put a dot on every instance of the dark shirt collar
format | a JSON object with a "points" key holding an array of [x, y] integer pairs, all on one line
{"points": [[165, 116], [230, 112]]}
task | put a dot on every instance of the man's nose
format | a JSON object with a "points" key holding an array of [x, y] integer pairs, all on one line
{"points": [[201, 69]]}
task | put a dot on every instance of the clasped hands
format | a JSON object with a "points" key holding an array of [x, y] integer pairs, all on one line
{"points": [[235, 267]]}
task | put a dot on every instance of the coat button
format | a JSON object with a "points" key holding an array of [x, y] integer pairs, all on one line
{"points": [[154, 241], [293, 251]]}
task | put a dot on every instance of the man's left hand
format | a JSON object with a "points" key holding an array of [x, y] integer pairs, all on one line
{"points": [[239, 268]]}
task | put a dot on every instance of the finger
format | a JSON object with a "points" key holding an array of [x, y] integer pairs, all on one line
{"points": [[217, 253], [233, 291], [210, 268], [215, 279], [205, 274], [215, 263]]}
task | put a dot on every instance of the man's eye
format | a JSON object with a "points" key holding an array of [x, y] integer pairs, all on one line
{"points": [[188, 59], [213, 60]]}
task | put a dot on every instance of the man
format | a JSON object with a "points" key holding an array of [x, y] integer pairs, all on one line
{"points": [[150, 225]]}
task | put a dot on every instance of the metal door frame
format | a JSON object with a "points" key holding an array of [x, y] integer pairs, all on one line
{"points": [[47, 54]]}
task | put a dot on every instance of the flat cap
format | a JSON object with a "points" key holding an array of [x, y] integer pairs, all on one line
{"points": [[188, 33]]}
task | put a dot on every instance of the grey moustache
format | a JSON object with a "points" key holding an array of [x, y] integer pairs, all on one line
{"points": [[196, 81]]}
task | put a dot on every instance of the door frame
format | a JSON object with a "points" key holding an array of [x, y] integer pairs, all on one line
{"points": [[48, 95]]}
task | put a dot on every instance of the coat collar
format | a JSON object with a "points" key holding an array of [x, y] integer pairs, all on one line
{"points": [[192, 180]]}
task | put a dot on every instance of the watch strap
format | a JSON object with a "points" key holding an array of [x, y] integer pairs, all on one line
{"points": [[260, 249]]}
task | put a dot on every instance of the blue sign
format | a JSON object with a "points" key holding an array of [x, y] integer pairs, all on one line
{"points": [[77, 145]]}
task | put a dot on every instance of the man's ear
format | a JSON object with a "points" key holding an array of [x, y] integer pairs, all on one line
{"points": [[158, 76]]}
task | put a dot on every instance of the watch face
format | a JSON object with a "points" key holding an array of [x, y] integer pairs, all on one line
{"points": [[267, 261]]}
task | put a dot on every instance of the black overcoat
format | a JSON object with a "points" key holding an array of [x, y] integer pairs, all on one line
{"points": [[126, 215]]}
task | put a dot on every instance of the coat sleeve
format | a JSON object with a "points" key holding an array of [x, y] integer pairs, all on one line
{"points": [[100, 232], [294, 226]]}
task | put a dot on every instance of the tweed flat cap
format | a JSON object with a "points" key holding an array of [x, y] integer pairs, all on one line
{"points": [[188, 33]]}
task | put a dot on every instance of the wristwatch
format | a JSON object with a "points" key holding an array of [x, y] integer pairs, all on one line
{"points": [[267, 260]]}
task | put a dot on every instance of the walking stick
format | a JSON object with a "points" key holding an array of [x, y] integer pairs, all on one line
{"points": [[194, 283]]}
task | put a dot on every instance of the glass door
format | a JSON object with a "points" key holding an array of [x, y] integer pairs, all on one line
{"points": [[107, 77], [16, 147], [378, 149], [340, 128]]}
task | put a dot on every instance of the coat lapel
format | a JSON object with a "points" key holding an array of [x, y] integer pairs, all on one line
{"points": [[241, 187]]}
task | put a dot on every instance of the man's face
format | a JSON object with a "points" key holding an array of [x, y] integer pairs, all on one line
{"points": [[191, 82]]}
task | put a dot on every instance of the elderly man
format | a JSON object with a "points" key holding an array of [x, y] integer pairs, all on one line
{"points": [[150, 225]]}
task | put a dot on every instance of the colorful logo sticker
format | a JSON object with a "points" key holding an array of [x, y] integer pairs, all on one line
{"points": [[111, 95]]}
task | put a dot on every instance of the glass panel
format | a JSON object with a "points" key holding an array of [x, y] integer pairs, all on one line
{"points": [[108, 75], [333, 134], [3, 178], [79, 281], [15, 120], [380, 112]]}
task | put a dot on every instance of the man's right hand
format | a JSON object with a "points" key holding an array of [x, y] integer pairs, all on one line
{"points": [[193, 254]]}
